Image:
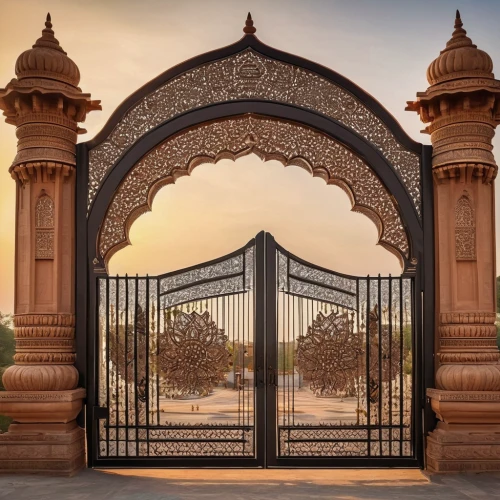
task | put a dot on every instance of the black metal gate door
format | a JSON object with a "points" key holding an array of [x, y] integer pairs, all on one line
{"points": [[254, 359], [340, 366]]}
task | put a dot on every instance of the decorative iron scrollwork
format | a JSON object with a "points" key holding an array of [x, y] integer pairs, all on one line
{"points": [[193, 354], [328, 355], [251, 75], [287, 142]]}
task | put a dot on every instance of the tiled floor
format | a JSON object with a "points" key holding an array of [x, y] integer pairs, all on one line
{"points": [[233, 484]]}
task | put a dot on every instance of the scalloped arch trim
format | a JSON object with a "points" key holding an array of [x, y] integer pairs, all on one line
{"points": [[270, 139]]}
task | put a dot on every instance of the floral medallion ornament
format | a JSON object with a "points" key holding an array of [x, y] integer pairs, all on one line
{"points": [[328, 355], [193, 354]]}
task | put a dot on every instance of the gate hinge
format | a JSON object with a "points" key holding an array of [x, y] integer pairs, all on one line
{"points": [[99, 412]]}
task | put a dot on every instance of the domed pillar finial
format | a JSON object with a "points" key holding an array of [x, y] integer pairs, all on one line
{"points": [[249, 28], [48, 20]]}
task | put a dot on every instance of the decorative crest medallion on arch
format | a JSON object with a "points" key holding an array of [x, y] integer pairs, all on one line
{"points": [[249, 98]]}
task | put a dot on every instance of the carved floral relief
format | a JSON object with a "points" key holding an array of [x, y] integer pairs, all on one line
{"points": [[44, 227]]}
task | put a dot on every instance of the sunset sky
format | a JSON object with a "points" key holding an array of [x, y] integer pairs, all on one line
{"points": [[384, 46]]}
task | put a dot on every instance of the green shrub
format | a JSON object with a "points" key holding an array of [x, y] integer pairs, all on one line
{"points": [[7, 349]]}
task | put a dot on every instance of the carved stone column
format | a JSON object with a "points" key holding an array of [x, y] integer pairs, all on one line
{"points": [[45, 104], [462, 108]]}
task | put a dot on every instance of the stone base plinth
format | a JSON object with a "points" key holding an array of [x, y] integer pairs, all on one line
{"points": [[44, 437], [53, 453], [42, 406], [468, 436]]}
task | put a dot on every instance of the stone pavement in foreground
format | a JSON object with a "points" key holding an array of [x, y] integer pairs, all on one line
{"points": [[277, 484]]}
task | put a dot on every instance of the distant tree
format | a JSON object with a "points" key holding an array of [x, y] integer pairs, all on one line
{"points": [[7, 344], [498, 294], [7, 348]]}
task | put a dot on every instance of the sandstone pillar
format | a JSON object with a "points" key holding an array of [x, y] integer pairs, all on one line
{"points": [[45, 104], [462, 110]]}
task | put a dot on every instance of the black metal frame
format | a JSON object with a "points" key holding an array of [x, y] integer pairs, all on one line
{"points": [[420, 233]]}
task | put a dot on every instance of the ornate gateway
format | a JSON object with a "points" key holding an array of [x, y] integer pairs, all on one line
{"points": [[257, 358], [198, 363]]}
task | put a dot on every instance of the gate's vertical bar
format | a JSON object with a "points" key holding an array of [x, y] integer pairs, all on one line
{"points": [[136, 399], [157, 365], [389, 316], [251, 395], [380, 360], [107, 366], [146, 392], [126, 367], [368, 381], [117, 327], [94, 367], [271, 337], [401, 341], [358, 374], [293, 364], [244, 346], [415, 371], [259, 350], [283, 323]]}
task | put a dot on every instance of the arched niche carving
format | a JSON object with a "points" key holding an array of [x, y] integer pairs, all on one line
{"points": [[465, 228], [251, 70], [44, 227], [270, 139]]}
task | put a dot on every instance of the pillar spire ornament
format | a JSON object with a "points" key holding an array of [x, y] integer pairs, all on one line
{"points": [[461, 109], [45, 105], [249, 28]]}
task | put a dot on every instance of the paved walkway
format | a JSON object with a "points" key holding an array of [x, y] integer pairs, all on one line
{"points": [[282, 484]]}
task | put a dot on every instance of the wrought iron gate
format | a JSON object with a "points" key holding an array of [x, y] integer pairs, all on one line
{"points": [[255, 359]]}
